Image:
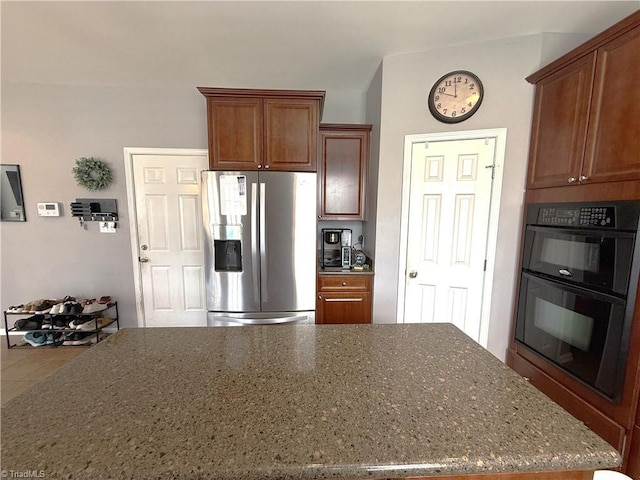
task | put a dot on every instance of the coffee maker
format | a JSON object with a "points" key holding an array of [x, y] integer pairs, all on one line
{"points": [[336, 248]]}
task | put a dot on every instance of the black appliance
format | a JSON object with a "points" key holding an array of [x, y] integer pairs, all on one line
{"points": [[336, 248], [577, 290]]}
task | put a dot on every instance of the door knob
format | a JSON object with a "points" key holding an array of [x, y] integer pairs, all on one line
{"points": [[143, 259], [413, 274]]}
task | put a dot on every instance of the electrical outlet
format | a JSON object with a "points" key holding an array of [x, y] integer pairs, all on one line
{"points": [[107, 227]]}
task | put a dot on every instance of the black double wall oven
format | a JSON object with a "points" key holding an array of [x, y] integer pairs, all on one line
{"points": [[577, 289]]}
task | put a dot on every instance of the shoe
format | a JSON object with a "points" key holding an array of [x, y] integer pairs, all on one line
{"points": [[31, 323], [92, 306], [68, 298], [77, 321], [95, 324], [77, 338], [38, 339], [106, 299], [15, 308], [44, 306], [59, 323], [76, 308], [57, 309], [30, 307]]}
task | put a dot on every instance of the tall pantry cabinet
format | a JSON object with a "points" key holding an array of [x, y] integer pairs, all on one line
{"points": [[585, 146]]}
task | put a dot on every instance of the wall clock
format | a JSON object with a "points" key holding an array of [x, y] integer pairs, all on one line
{"points": [[455, 96]]}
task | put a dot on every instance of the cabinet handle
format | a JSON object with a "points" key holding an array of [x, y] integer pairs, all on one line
{"points": [[583, 178], [266, 166], [572, 179], [345, 300], [344, 284], [259, 166]]}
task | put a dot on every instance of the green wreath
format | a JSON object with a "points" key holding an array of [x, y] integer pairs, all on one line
{"points": [[92, 173]]}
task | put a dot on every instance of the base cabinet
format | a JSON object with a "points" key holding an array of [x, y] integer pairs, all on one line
{"points": [[344, 299]]}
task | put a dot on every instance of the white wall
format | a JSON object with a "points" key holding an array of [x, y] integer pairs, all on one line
{"points": [[406, 81], [45, 128]]}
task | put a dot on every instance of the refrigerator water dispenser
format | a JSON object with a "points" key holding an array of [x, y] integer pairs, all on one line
{"points": [[227, 246]]}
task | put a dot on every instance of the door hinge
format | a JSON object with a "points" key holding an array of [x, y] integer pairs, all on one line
{"points": [[484, 268]]}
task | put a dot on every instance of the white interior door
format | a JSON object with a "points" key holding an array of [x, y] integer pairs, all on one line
{"points": [[169, 247], [447, 231]]}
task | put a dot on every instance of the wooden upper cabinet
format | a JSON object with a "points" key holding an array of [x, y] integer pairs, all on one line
{"points": [[342, 171], [559, 125], [263, 129], [586, 120], [235, 139], [613, 145], [291, 134]]}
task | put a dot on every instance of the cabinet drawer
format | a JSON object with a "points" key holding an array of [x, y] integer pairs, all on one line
{"points": [[328, 283]]}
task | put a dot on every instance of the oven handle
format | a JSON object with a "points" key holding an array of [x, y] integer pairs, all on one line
{"points": [[572, 288]]}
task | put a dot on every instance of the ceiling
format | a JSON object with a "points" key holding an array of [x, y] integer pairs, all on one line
{"points": [[282, 44]]}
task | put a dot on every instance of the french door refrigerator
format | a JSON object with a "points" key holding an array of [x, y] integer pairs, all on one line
{"points": [[260, 247]]}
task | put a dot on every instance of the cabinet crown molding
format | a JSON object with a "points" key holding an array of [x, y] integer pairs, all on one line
{"points": [[623, 26], [264, 93]]}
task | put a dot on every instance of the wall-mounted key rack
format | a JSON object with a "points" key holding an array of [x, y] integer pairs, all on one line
{"points": [[95, 210]]}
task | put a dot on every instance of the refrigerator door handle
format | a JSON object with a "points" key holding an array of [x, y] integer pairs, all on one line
{"points": [[263, 243], [264, 321], [254, 242]]}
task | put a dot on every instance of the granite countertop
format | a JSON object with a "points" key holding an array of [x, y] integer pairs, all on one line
{"points": [[295, 402]]}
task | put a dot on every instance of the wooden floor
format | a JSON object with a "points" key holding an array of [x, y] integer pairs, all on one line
{"points": [[23, 367]]}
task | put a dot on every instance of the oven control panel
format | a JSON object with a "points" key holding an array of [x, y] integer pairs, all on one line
{"points": [[600, 216]]}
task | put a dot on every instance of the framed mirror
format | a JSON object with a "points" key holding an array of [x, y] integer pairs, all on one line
{"points": [[11, 201]]}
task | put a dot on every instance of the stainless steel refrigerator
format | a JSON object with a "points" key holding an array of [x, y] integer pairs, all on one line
{"points": [[260, 247]]}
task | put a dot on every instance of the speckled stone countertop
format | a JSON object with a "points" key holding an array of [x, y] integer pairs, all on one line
{"points": [[290, 402]]}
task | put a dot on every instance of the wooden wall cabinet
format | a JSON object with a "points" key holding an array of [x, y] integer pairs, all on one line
{"points": [[342, 171], [586, 121], [263, 129], [344, 298]]}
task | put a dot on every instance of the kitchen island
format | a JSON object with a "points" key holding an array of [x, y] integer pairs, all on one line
{"points": [[294, 402]]}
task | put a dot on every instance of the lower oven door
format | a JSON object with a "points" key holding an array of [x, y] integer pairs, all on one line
{"points": [[584, 333]]}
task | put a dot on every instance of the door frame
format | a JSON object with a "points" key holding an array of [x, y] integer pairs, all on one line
{"points": [[129, 153], [500, 136]]}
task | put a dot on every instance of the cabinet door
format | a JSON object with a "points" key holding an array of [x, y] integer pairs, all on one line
{"points": [[235, 133], [633, 467], [344, 158], [560, 125], [291, 134], [613, 143], [343, 307]]}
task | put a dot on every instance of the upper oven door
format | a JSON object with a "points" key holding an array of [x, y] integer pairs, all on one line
{"points": [[591, 258]]}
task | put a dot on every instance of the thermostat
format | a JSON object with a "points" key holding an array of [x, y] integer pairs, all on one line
{"points": [[48, 209]]}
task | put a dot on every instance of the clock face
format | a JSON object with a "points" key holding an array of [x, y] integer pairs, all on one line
{"points": [[455, 96]]}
